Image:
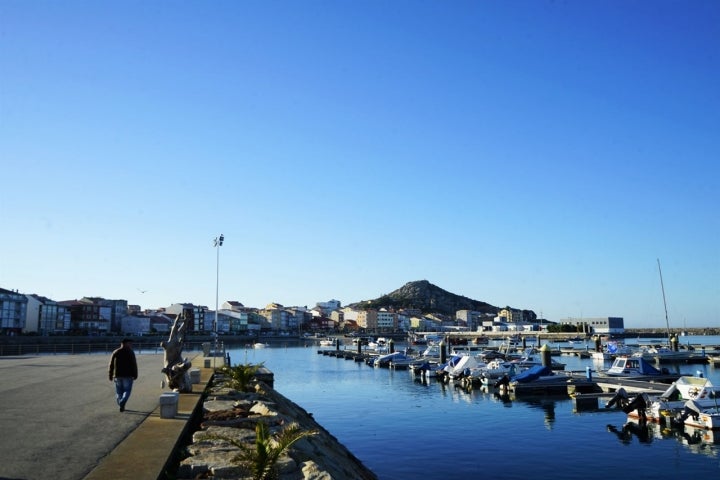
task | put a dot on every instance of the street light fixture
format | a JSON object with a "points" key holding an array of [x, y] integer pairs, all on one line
{"points": [[217, 243]]}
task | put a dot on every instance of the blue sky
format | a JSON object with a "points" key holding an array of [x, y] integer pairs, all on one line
{"points": [[537, 154]]}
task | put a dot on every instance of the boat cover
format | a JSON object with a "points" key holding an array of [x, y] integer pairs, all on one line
{"points": [[531, 374], [647, 369], [459, 363], [392, 356]]}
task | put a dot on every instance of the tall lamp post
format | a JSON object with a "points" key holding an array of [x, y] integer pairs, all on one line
{"points": [[218, 243]]}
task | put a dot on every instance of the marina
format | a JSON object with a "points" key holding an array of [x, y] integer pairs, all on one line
{"points": [[414, 418]]}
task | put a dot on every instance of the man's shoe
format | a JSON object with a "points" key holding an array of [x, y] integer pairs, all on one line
{"points": [[122, 407]]}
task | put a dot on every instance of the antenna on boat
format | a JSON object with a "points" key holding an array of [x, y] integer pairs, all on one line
{"points": [[662, 287]]}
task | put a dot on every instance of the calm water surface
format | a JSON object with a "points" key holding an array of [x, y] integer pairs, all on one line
{"points": [[403, 428]]}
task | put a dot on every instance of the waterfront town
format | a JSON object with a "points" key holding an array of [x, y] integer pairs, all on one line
{"points": [[34, 314]]}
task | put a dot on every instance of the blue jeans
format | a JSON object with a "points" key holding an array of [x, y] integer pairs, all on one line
{"points": [[123, 387]]}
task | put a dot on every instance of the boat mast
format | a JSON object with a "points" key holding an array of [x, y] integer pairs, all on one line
{"points": [[667, 323]]}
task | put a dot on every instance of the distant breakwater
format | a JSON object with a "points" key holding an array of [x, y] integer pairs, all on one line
{"points": [[80, 344]]}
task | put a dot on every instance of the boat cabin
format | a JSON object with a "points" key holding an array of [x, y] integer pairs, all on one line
{"points": [[629, 366]]}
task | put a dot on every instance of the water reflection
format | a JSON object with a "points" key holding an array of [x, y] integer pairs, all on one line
{"points": [[504, 397], [547, 405], [696, 440], [626, 433], [360, 404]]}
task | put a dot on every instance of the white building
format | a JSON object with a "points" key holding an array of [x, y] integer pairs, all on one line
{"points": [[599, 325]]}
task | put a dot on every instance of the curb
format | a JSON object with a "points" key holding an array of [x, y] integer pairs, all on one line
{"points": [[150, 450]]}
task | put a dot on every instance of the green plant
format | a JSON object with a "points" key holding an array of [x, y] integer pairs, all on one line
{"points": [[240, 376], [261, 461]]}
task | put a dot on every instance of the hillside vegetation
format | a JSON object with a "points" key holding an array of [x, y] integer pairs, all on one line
{"points": [[428, 298]]}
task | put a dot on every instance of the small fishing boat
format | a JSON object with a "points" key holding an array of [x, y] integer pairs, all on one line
{"points": [[425, 369], [536, 373], [492, 371], [662, 354], [531, 357], [692, 401], [379, 345], [613, 350], [384, 361], [629, 366], [459, 366]]}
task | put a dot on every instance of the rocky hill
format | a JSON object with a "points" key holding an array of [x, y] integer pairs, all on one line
{"points": [[428, 298]]}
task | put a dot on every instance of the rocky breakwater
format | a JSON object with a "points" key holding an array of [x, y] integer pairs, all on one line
{"points": [[242, 431]]}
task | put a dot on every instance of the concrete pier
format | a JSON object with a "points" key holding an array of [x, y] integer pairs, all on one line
{"points": [[59, 419]]}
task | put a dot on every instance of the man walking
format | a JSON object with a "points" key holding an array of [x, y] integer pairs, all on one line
{"points": [[123, 369]]}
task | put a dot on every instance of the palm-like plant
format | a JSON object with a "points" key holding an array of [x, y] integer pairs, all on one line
{"points": [[240, 376], [261, 461]]}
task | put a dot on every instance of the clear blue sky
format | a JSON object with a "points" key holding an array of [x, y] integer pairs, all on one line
{"points": [[537, 154]]}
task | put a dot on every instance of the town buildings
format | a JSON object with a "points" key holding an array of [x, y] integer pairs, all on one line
{"points": [[35, 314]]}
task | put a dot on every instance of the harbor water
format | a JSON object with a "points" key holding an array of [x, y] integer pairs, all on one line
{"points": [[402, 427]]}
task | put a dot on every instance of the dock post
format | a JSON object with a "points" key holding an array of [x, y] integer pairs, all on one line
{"points": [[545, 354], [359, 346], [443, 353], [391, 346]]}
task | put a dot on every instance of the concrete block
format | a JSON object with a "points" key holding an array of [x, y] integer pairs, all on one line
{"points": [[169, 404], [195, 375]]}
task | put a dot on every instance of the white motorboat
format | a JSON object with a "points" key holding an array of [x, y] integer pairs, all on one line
{"points": [[488, 373], [425, 369], [612, 350], [631, 366], [460, 365], [665, 354], [327, 342], [431, 351], [379, 345], [386, 360], [693, 401], [260, 345], [532, 357]]}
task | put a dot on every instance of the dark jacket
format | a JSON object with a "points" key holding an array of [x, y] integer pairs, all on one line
{"points": [[123, 364]]}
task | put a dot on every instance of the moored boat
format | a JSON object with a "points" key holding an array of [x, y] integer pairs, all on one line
{"points": [[613, 350], [630, 366], [693, 401], [490, 372], [385, 361], [459, 366], [664, 354]]}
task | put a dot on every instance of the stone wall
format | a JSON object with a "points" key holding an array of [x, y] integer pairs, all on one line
{"points": [[232, 414]]}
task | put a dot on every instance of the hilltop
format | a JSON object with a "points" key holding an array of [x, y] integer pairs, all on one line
{"points": [[428, 298]]}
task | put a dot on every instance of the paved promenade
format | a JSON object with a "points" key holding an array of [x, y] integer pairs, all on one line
{"points": [[59, 419]]}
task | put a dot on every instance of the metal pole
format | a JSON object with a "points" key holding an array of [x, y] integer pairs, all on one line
{"points": [[217, 289], [218, 244], [662, 286]]}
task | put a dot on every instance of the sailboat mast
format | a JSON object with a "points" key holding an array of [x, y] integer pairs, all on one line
{"points": [[667, 323]]}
